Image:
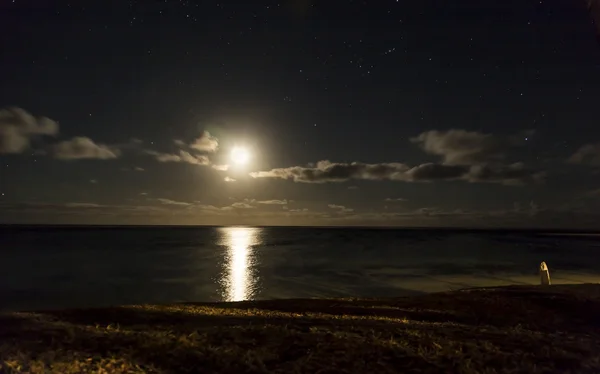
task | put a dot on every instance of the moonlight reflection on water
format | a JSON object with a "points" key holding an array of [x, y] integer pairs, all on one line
{"points": [[238, 280]]}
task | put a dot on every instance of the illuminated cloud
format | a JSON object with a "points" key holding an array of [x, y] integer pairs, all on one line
{"points": [[172, 202], [220, 167], [461, 147], [81, 147], [182, 156], [240, 205], [205, 143], [229, 179], [340, 208], [17, 127], [391, 199], [298, 210], [273, 202]]}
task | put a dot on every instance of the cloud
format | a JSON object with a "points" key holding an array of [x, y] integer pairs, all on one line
{"points": [[326, 171], [592, 193], [137, 168], [340, 208], [133, 144], [205, 143], [584, 215], [392, 199], [17, 127], [172, 202], [461, 147], [588, 154], [513, 174], [220, 167], [182, 156], [432, 172], [239, 205], [273, 202], [81, 147], [229, 179], [93, 181], [83, 205]]}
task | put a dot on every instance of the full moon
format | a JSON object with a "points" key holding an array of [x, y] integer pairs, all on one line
{"points": [[240, 156]]}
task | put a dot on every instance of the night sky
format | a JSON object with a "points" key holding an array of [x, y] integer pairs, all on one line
{"points": [[407, 113]]}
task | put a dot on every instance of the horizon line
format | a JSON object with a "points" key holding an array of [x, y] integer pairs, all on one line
{"points": [[447, 228]]}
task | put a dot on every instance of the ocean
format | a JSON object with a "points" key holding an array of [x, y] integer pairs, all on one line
{"points": [[46, 267]]}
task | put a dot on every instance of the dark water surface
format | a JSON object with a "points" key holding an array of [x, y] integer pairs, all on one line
{"points": [[49, 267]]}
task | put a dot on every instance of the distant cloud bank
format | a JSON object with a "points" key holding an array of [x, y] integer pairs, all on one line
{"points": [[468, 156]]}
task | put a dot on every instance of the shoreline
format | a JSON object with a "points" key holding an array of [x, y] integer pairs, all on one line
{"points": [[514, 328]]}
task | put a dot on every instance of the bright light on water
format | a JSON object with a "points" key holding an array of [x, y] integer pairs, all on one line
{"points": [[238, 280]]}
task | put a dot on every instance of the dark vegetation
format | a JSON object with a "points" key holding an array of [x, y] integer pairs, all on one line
{"points": [[519, 329]]}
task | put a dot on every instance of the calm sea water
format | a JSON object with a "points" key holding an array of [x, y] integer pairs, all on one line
{"points": [[53, 267]]}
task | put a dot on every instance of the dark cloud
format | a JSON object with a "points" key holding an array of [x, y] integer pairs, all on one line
{"points": [[593, 193], [17, 127], [83, 148], [77, 208], [461, 147], [528, 214], [588, 154], [594, 9], [514, 174], [466, 155], [326, 171], [84, 205], [432, 172], [397, 199]]}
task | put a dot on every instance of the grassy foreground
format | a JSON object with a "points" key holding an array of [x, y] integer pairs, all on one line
{"points": [[496, 330]]}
